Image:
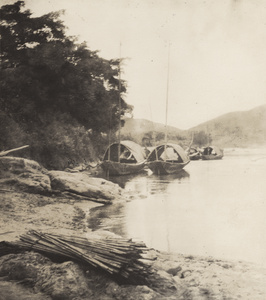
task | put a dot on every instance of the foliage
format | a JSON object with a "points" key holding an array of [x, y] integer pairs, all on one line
{"points": [[147, 140], [201, 138], [62, 143], [7, 140], [160, 136], [45, 74]]}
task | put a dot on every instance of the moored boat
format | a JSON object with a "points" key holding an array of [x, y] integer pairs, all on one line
{"points": [[194, 154], [167, 159], [212, 153], [123, 158]]}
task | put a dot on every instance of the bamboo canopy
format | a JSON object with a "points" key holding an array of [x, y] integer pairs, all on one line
{"points": [[134, 148], [119, 257]]}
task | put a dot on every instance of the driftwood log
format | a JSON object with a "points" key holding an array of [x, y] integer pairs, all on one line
{"points": [[3, 153]]}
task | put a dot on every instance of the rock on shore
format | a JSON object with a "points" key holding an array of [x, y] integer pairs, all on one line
{"points": [[83, 184], [24, 175], [27, 175]]}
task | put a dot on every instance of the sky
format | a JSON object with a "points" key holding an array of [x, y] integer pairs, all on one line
{"points": [[216, 51]]}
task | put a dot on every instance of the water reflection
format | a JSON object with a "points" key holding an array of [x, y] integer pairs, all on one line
{"points": [[148, 176], [109, 217], [123, 180], [159, 184], [181, 175], [139, 186], [212, 208]]}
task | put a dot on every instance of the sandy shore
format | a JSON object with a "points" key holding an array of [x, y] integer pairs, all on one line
{"points": [[191, 277]]}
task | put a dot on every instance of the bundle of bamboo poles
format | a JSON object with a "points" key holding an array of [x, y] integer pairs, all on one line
{"points": [[119, 257]]}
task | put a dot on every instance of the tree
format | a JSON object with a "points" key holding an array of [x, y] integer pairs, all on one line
{"points": [[43, 71], [45, 74], [160, 136], [201, 138]]}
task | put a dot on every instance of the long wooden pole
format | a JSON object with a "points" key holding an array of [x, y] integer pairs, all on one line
{"points": [[119, 104], [166, 106], [3, 153]]}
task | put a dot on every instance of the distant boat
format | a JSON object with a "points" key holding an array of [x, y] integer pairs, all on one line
{"points": [[123, 158], [212, 153], [167, 158], [194, 154]]}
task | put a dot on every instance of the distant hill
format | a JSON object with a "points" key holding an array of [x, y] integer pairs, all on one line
{"points": [[137, 129], [235, 129]]}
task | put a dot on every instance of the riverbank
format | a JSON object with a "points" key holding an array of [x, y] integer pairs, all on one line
{"points": [[179, 276]]}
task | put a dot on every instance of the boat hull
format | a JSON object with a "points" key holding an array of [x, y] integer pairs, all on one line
{"points": [[212, 153], [195, 156], [211, 157], [160, 167], [117, 168]]}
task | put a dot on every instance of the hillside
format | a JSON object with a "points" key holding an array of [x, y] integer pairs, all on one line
{"points": [[235, 129], [137, 129]]}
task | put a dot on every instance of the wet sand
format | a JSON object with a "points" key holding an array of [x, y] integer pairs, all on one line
{"points": [[195, 277]]}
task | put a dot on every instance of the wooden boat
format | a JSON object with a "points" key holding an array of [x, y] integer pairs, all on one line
{"points": [[167, 159], [194, 154], [123, 158], [212, 153]]}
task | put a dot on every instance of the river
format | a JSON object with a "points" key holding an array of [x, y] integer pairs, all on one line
{"points": [[212, 208]]}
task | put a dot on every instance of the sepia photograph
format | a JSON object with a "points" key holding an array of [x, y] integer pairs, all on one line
{"points": [[132, 149]]}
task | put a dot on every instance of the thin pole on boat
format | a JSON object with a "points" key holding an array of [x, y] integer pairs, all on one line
{"points": [[153, 134], [208, 141], [119, 103], [109, 146], [166, 106], [109, 137]]}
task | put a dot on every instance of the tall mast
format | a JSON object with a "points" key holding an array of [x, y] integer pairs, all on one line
{"points": [[167, 88], [119, 103]]}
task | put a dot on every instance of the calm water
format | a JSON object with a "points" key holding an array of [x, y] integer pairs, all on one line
{"points": [[215, 208]]}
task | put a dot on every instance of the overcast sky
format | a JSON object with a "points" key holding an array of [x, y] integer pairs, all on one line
{"points": [[217, 52]]}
